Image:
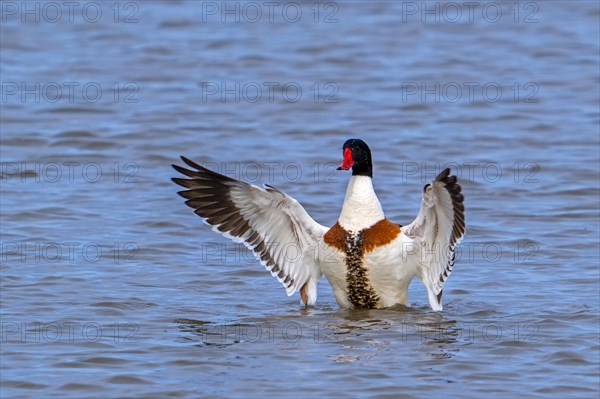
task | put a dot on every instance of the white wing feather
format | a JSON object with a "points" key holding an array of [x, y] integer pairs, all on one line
{"points": [[279, 231], [438, 228]]}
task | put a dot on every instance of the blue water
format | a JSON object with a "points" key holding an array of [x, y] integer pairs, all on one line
{"points": [[111, 287]]}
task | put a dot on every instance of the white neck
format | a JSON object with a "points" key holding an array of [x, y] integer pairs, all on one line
{"points": [[361, 207]]}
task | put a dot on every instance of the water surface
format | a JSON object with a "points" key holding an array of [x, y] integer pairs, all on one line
{"points": [[111, 287]]}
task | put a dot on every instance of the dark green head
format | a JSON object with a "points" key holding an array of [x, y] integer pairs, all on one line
{"points": [[357, 156]]}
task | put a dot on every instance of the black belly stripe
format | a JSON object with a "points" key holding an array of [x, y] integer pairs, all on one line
{"points": [[360, 292]]}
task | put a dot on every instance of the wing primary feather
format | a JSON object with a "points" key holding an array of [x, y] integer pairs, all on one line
{"points": [[440, 225], [258, 217]]}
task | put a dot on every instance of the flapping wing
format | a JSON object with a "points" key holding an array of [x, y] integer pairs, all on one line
{"points": [[283, 237], [438, 228]]}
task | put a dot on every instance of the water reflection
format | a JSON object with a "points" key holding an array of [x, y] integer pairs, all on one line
{"points": [[348, 329], [235, 331]]}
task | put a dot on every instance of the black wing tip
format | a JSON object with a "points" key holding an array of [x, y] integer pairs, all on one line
{"points": [[451, 184], [189, 163], [186, 183], [180, 169], [454, 189], [201, 171], [179, 181], [193, 164], [443, 175]]}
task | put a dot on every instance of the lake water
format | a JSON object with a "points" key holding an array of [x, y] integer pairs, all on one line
{"points": [[111, 287]]}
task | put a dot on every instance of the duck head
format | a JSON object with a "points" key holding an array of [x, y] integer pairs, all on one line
{"points": [[357, 156]]}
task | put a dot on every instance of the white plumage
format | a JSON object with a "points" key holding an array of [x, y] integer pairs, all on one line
{"points": [[368, 261]]}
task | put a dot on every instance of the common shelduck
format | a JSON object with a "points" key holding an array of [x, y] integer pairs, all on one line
{"points": [[368, 260]]}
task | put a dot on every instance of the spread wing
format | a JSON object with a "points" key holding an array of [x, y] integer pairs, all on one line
{"points": [[438, 228], [283, 237]]}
